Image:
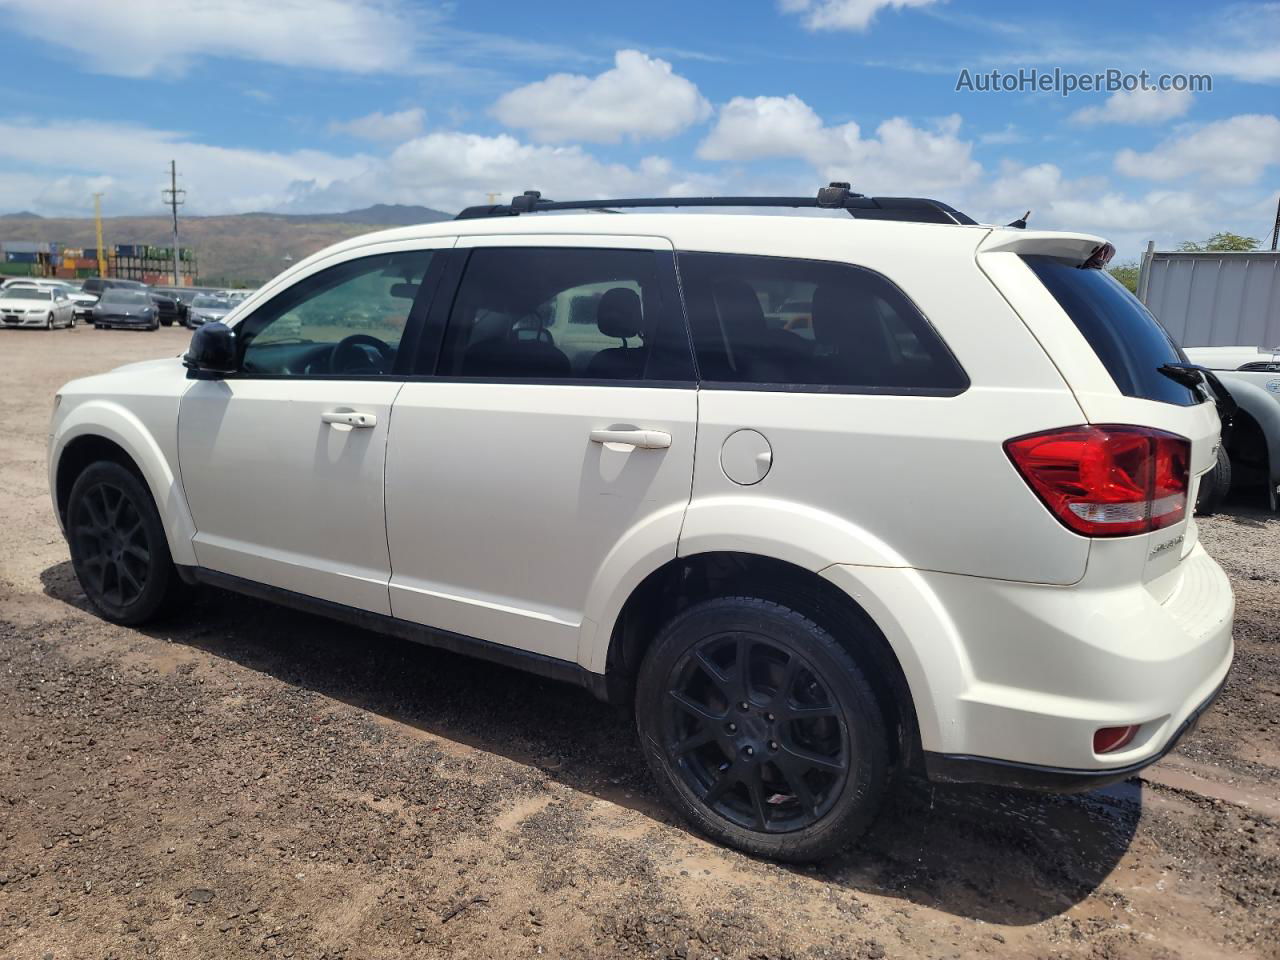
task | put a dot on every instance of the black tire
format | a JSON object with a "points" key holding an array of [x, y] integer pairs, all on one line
{"points": [[118, 545], [1215, 485], [167, 323], [48, 322], [794, 778]]}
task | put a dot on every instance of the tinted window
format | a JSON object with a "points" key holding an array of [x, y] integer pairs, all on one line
{"points": [[565, 313], [771, 321], [346, 320], [1127, 339]]}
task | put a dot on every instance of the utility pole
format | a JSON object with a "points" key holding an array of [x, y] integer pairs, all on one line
{"points": [[97, 222], [173, 197]]}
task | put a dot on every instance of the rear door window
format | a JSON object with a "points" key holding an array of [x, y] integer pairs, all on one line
{"points": [[790, 324], [566, 313], [1127, 338]]}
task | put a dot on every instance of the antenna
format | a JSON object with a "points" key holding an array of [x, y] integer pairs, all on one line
{"points": [[1275, 231], [174, 198]]}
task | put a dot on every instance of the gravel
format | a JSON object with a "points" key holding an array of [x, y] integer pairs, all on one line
{"points": [[245, 781]]}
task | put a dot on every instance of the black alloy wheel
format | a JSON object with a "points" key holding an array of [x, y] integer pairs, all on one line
{"points": [[118, 546], [755, 733], [762, 729]]}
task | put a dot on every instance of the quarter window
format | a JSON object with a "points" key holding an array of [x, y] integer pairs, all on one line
{"points": [[792, 324], [347, 320], [561, 313]]}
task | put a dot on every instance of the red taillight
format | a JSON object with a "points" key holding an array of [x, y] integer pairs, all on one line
{"points": [[1111, 739], [1107, 481]]}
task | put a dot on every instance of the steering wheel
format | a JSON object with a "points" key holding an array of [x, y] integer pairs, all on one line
{"points": [[347, 357]]}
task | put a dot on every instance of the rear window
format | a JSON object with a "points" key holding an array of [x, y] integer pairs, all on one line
{"points": [[789, 324], [1124, 334]]}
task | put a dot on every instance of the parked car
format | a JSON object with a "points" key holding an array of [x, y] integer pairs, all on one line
{"points": [[169, 308], [23, 306], [944, 528], [122, 307], [73, 293], [1251, 453], [206, 308]]}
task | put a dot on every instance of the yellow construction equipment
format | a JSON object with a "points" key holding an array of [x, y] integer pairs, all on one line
{"points": [[97, 222]]}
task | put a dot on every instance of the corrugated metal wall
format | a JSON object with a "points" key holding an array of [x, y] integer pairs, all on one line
{"points": [[1215, 299]]}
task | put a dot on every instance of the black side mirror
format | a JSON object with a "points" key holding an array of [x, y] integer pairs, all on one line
{"points": [[212, 353]]}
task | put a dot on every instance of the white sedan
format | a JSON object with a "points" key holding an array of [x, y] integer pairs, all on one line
{"points": [[33, 307]]}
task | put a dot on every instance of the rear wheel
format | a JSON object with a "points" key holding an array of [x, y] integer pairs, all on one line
{"points": [[1215, 485], [761, 729], [118, 546]]}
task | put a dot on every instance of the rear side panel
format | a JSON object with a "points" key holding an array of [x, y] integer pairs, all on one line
{"points": [[1148, 558], [894, 480]]}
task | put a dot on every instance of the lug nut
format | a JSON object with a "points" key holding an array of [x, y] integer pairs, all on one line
{"points": [[744, 705], [733, 728], [769, 717], [751, 752], [773, 744]]}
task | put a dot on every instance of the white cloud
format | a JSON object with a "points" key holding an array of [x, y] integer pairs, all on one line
{"points": [[640, 98], [130, 160], [900, 158], [1232, 151], [1138, 107], [145, 37], [844, 14], [390, 127]]}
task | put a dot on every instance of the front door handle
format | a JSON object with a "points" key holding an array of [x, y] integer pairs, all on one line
{"points": [[644, 439], [349, 418]]}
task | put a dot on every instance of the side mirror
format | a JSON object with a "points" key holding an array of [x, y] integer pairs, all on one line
{"points": [[212, 353]]}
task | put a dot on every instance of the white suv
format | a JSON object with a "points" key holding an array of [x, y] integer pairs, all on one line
{"points": [[825, 497]]}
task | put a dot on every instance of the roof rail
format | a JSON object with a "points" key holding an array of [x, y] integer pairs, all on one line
{"points": [[835, 196]]}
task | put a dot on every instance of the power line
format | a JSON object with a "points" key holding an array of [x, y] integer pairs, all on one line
{"points": [[174, 198]]}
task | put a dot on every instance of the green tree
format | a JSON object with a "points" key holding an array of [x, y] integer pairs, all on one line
{"points": [[1220, 242], [1126, 273]]}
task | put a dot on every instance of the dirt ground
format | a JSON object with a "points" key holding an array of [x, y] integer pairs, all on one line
{"points": [[251, 782]]}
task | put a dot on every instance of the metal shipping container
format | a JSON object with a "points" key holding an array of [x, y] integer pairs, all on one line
{"points": [[1214, 299]]}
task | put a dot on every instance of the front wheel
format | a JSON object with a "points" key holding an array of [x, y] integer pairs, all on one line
{"points": [[761, 729], [118, 546], [48, 322]]}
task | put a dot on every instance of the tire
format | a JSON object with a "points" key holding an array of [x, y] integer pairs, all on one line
{"points": [[1215, 485], [118, 545], [48, 321], [167, 323], [796, 776]]}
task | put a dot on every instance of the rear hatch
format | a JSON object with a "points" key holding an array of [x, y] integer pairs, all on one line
{"points": [[1109, 349]]}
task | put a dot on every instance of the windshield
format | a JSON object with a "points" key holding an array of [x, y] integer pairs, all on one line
{"points": [[25, 293], [126, 297], [212, 302]]}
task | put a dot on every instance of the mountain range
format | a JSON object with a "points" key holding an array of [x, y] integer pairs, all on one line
{"points": [[235, 249]]}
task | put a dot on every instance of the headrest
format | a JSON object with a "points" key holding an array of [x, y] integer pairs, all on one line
{"points": [[618, 313], [739, 307]]}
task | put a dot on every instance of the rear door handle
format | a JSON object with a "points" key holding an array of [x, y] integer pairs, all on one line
{"points": [[349, 418], [644, 439]]}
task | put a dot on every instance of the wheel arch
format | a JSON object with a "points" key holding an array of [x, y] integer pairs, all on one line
{"points": [[106, 431], [1260, 410], [686, 580]]}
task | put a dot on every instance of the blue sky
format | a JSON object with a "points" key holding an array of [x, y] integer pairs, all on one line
{"points": [[318, 105]]}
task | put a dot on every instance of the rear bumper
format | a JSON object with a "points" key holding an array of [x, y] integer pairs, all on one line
{"points": [[1010, 681], [953, 768]]}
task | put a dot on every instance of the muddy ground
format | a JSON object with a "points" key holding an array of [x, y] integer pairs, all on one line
{"points": [[251, 782]]}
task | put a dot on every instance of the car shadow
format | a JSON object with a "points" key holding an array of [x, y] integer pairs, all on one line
{"points": [[996, 855]]}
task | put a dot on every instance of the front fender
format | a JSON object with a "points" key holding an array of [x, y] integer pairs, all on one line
{"points": [[1264, 407], [112, 421]]}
